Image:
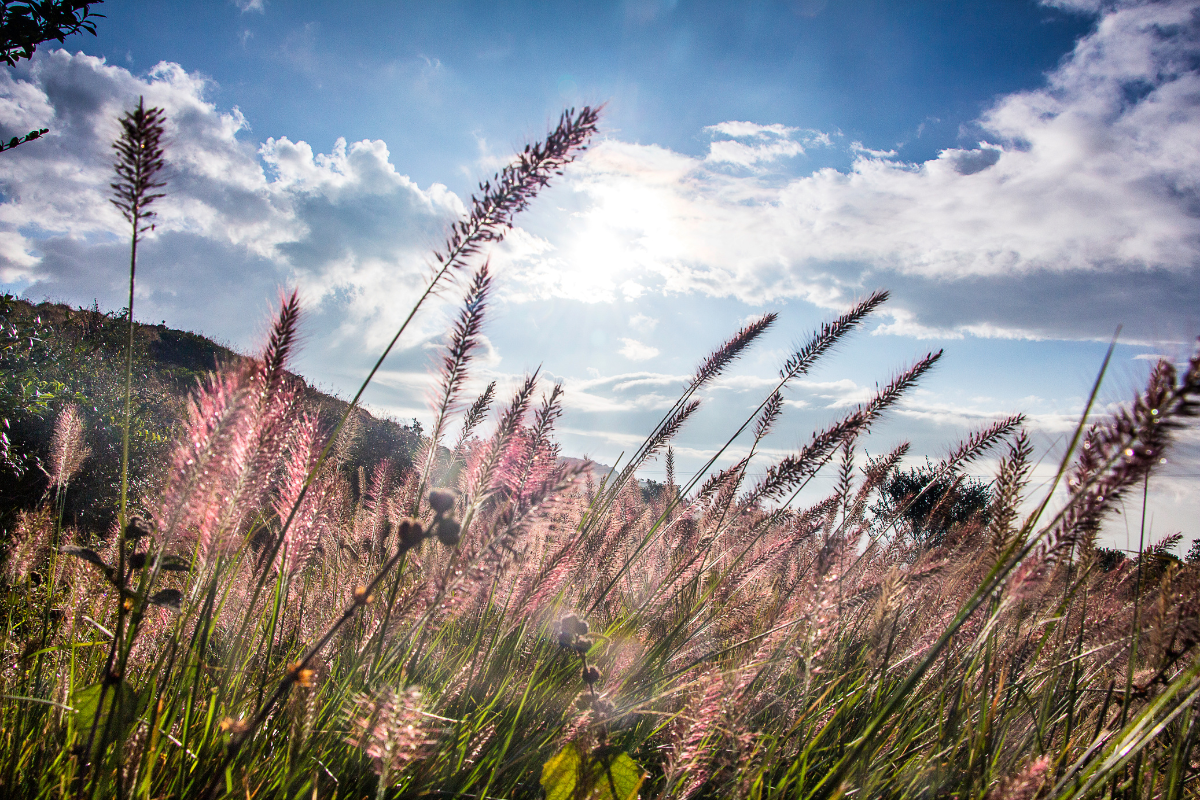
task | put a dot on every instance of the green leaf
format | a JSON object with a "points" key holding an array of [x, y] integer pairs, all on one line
{"points": [[617, 776], [128, 704], [561, 774], [605, 774]]}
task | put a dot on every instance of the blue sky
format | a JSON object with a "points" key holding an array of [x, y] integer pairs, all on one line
{"points": [[1020, 175]]}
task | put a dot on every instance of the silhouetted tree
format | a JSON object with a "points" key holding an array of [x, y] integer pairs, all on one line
{"points": [[933, 504]]}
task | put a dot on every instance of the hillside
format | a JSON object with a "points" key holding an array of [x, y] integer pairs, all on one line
{"points": [[52, 355]]}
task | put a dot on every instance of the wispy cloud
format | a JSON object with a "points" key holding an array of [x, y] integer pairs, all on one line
{"points": [[765, 143]]}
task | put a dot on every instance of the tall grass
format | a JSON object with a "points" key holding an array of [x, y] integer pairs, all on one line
{"points": [[492, 623]]}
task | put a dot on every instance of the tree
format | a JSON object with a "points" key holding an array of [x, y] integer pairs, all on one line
{"points": [[27, 23], [931, 503]]}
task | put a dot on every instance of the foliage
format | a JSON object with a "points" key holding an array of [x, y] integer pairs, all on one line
{"points": [[24, 24], [52, 355], [930, 503]]}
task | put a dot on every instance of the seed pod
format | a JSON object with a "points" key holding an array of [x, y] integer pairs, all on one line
{"points": [[410, 533], [441, 501], [448, 531]]}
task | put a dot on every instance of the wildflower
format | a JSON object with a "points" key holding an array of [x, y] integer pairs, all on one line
{"points": [[137, 528], [572, 634], [410, 533], [302, 675]]}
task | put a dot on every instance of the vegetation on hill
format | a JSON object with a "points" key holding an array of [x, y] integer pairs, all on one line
{"points": [[52, 356]]}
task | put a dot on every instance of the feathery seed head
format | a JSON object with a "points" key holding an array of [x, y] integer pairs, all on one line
{"points": [[139, 160], [390, 729], [67, 448]]}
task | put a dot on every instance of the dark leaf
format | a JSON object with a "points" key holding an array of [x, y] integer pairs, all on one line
{"points": [[168, 598], [174, 564], [90, 556]]}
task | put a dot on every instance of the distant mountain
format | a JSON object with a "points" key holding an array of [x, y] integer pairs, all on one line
{"points": [[598, 470]]}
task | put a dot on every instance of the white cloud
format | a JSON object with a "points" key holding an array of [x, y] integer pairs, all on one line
{"points": [[251, 5], [748, 155], [767, 143], [746, 130], [1077, 212], [642, 323], [636, 351], [238, 220]]}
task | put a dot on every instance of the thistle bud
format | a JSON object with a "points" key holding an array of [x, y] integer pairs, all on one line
{"points": [[410, 533], [591, 674], [448, 531], [441, 501]]}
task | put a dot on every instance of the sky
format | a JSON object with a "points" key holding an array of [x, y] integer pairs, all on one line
{"points": [[1021, 176]]}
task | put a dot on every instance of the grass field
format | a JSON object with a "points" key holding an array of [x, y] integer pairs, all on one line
{"points": [[494, 622]]}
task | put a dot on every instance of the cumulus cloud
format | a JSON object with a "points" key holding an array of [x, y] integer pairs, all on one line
{"points": [[1079, 209], [637, 351], [238, 220]]}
